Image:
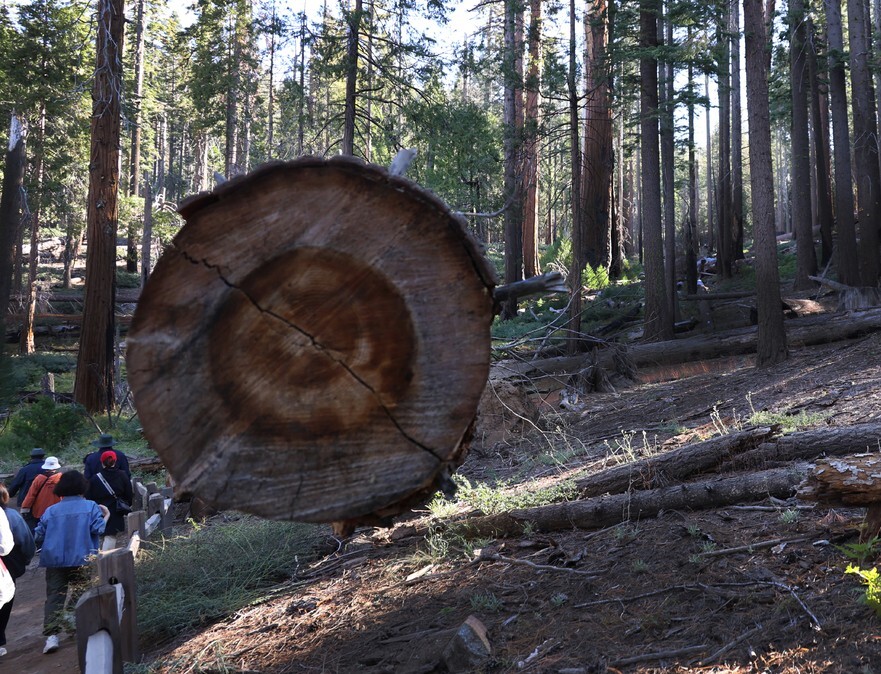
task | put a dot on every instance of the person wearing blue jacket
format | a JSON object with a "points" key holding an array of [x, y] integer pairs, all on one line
{"points": [[69, 532], [26, 474], [17, 559]]}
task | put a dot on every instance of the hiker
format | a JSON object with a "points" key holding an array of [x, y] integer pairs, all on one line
{"points": [[69, 532], [17, 559], [41, 494], [26, 474], [7, 542], [92, 461], [112, 489]]}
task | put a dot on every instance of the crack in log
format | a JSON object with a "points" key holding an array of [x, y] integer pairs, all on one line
{"points": [[320, 348]]}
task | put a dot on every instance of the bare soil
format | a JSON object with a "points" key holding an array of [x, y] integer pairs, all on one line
{"points": [[659, 595]]}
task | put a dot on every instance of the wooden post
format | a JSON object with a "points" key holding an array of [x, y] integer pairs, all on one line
{"points": [[97, 610], [154, 505], [135, 524], [118, 567], [167, 517]]}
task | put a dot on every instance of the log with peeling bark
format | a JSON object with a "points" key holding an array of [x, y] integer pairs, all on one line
{"points": [[604, 511], [848, 481], [806, 331], [670, 467], [314, 344]]}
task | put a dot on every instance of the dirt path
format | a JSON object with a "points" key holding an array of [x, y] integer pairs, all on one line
{"points": [[24, 635]]}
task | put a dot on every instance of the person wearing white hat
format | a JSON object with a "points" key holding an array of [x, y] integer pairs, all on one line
{"points": [[41, 494]]}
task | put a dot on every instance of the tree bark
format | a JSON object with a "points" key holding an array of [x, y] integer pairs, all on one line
{"points": [[531, 158], [668, 149], [578, 234], [354, 23], [820, 136], [134, 172], [736, 139], [95, 373], [802, 225], [10, 211], [864, 143], [847, 261], [513, 147], [725, 255], [771, 339], [658, 321]]}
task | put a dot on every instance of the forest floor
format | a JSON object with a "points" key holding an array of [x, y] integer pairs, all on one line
{"points": [[642, 596]]}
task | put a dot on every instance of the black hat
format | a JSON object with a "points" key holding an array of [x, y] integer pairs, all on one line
{"points": [[37, 453], [104, 440]]}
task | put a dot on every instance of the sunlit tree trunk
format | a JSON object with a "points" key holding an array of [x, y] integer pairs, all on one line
{"points": [[354, 23], [95, 374], [771, 339], [658, 321], [10, 212], [530, 152]]}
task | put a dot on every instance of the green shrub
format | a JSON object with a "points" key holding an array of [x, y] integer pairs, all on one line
{"points": [[216, 570], [44, 423]]}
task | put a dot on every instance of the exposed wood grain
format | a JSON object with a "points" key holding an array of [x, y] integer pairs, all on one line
{"points": [[314, 344]]}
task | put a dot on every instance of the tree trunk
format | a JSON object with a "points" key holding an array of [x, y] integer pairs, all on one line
{"points": [[531, 158], [736, 139], [356, 394], [354, 23], [668, 149], [147, 241], [134, 173], [806, 258], [847, 261], [691, 236], [771, 340], [820, 136], [95, 374], [865, 147], [513, 148], [658, 321], [578, 234], [10, 212], [711, 188], [725, 256]]}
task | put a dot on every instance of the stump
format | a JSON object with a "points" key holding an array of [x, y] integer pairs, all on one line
{"points": [[314, 344], [848, 481]]}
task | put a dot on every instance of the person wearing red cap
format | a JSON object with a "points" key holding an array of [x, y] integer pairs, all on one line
{"points": [[108, 487], [92, 461]]}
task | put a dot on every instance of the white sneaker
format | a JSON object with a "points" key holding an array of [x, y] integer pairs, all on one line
{"points": [[51, 644], [3, 651]]}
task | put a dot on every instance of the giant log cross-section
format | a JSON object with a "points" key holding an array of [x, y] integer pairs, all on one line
{"points": [[314, 344]]}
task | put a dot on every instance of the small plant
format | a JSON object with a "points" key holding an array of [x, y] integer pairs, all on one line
{"points": [[639, 566], [872, 580], [486, 602], [438, 545], [708, 546], [625, 534], [559, 599], [695, 559], [694, 531], [790, 516], [861, 552]]}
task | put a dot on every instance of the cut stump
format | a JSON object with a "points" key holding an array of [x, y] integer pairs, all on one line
{"points": [[314, 344]]}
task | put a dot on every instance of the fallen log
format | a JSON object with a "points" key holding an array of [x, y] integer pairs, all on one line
{"points": [[808, 331], [848, 481], [808, 445], [314, 344], [604, 511], [673, 466]]}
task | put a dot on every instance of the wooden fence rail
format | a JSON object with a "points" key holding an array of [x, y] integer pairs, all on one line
{"points": [[106, 615]]}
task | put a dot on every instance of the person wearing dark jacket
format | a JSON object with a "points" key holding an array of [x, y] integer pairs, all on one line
{"points": [[92, 461], [109, 486], [17, 560], [26, 474]]}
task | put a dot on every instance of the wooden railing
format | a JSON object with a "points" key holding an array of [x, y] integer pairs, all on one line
{"points": [[106, 615]]}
